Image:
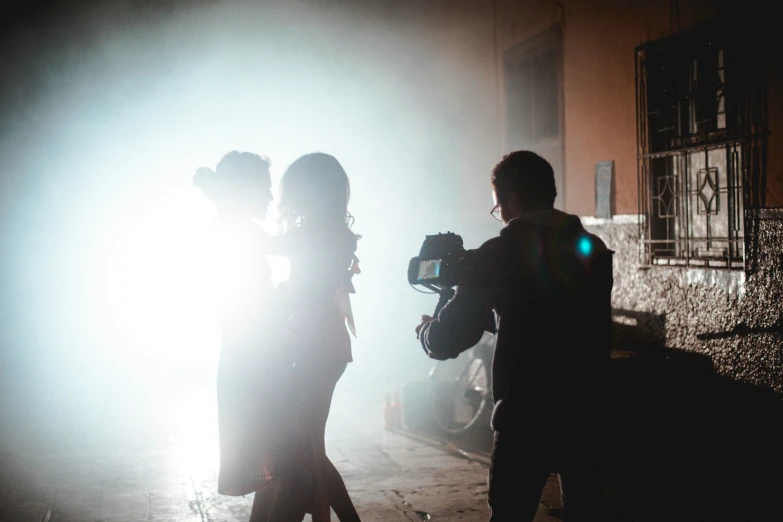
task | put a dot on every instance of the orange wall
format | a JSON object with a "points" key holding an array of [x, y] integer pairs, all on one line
{"points": [[600, 104], [775, 151]]}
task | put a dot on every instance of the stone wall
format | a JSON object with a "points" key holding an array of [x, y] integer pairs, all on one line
{"points": [[733, 318]]}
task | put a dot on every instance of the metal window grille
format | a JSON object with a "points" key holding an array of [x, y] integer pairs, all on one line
{"points": [[701, 148]]}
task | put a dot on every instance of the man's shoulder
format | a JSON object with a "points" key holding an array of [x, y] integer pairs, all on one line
{"points": [[488, 252], [482, 263], [490, 246], [601, 254]]}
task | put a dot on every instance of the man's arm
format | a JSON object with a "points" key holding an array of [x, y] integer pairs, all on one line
{"points": [[460, 324]]}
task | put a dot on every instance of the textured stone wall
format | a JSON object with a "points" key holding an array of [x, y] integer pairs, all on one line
{"points": [[734, 318]]}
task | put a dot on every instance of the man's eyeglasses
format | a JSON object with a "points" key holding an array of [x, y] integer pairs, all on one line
{"points": [[495, 212]]}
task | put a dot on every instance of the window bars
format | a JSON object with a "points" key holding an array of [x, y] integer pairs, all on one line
{"points": [[701, 148]]}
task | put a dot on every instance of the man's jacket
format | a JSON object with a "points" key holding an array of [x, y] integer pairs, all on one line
{"points": [[549, 284]]}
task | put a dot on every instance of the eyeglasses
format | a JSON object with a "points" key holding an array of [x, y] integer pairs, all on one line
{"points": [[495, 212]]}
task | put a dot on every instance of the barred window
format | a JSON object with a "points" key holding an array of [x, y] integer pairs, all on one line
{"points": [[701, 129]]}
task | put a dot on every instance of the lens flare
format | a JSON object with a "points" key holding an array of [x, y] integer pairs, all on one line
{"points": [[585, 246]]}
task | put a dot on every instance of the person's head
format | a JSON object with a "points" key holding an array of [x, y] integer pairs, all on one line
{"points": [[315, 189], [247, 181], [523, 182]]}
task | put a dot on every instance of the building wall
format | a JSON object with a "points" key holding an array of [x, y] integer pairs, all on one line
{"points": [[732, 317], [775, 148], [599, 38]]}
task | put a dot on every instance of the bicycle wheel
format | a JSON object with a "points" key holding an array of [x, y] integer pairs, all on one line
{"points": [[461, 391]]}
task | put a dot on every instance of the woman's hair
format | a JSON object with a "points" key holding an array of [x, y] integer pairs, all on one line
{"points": [[315, 188]]}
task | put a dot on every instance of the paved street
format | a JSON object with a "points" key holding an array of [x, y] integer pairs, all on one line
{"points": [[678, 452], [391, 476]]}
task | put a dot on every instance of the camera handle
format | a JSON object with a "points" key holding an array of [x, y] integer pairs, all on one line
{"points": [[446, 295]]}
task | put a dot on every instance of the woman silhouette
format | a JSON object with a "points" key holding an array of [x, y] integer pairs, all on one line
{"points": [[320, 246], [240, 186]]}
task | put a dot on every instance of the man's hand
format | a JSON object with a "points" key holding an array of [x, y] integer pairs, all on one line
{"points": [[424, 320]]}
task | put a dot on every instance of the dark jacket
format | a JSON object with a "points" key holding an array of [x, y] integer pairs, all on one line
{"points": [[549, 284]]}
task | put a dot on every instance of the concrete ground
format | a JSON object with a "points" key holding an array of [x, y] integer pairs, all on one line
{"points": [[684, 445], [391, 476]]}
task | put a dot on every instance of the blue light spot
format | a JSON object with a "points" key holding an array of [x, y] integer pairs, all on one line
{"points": [[585, 246]]}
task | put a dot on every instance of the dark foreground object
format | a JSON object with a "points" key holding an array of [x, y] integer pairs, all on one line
{"points": [[686, 444]]}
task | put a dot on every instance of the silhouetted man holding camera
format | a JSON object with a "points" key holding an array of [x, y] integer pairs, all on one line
{"points": [[548, 283]]}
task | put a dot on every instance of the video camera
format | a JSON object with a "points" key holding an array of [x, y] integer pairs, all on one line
{"points": [[439, 265]]}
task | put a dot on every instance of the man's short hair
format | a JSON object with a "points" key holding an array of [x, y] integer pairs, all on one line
{"points": [[528, 176], [243, 164]]}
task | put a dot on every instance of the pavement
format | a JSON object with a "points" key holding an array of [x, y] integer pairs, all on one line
{"points": [[685, 445], [392, 476]]}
